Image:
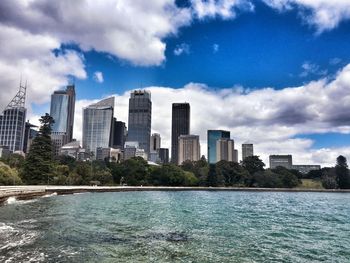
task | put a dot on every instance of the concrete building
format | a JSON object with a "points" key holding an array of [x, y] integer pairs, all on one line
{"points": [[97, 125], [212, 137], [132, 149], [189, 148], [140, 118], [155, 142], [235, 156], [281, 160], [304, 168], [247, 150], [180, 125], [225, 150], [4, 151], [62, 111], [71, 149], [12, 122]]}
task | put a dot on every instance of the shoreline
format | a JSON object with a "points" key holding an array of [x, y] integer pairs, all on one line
{"points": [[31, 192]]}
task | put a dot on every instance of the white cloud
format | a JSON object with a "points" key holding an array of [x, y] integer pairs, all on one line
{"points": [[182, 49], [311, 69], [215, 48], [225, 9], [271, 119], [98, 77], [323, 14], [130, 30]]}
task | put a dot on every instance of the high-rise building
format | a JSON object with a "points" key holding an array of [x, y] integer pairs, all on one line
{"points": [[189, 148], [163, 154], [155, 142], [97, 125], [12, 122], [225, 150], [247, 150], [180, 126], [62, 111], [281, 160], [213, 136], [140, 118], [119, 134], [235, 155], [29, 134]]}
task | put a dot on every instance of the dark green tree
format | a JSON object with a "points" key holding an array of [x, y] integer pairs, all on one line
{"points": [[253, 164], [342, 173], [38, 165], [231, 174]]}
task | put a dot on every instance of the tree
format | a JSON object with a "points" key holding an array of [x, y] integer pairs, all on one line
{"points": [[38, 165], [342, 173], [231, 174], [288, 178], [8, 175], [253, 164]]}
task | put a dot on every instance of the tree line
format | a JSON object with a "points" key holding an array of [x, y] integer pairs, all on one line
{"points": [[41, 167]]}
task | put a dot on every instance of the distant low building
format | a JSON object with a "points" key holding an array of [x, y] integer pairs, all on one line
{"points": [[4, 151], [281, 160], [132, 149], [163, 155], [305, 168]]}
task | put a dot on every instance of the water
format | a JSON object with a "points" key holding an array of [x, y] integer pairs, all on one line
{"points": [[177, 227]]}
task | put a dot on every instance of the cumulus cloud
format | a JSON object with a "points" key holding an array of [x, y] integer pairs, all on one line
{"points": [[130, 30], [98, 77], [182, 49], [323, 14], [225, 9], [272, 119]]}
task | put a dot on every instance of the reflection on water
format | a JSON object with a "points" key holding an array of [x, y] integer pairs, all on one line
{"points": [[177, 227]]}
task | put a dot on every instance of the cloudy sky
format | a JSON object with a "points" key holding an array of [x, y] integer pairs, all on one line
{"points": [[273, 72]]}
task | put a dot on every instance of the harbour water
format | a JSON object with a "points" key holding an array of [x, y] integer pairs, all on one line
{"points": [[165, 226]]}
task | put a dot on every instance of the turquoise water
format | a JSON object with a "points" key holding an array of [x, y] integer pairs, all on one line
{"points": [[178, 227]]}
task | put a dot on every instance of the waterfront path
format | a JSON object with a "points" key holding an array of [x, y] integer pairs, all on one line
{"points": [[32, 191]]}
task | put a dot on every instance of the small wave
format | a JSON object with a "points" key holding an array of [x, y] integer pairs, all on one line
{"points": [[5, 228], [11, 200], [49, 195]]}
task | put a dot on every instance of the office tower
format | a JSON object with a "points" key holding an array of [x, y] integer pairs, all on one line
{"points": [[62, 111], [213, 136], [235, 156], [29, 135], [163, 154], [189, 148], [97, 125], [12, 122], [247, 150], [180, 126], [119, 134], [225, 150], [155, 142], [140, 117], [281, 160]]}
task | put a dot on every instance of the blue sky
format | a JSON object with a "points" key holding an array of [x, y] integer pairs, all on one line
{"points": [[225, 51]]}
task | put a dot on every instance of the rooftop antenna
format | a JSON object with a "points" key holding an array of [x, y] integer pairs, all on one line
{"points": [[19, 99]]}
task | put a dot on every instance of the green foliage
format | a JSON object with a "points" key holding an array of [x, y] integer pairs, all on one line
{"points": [[14, 160], [199, 168], [288, 178], [276, 178], [342, 173], [38, 166], [8, 175], [253, 164], [171, 175], [135, 171], [231, 174]]}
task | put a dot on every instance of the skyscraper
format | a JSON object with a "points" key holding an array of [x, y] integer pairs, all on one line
{"points": [[12, 122], [155, 142], [119, 134], [180, 126], [140, 118], [213, 136], [97, 125], [62, 111], [189, 148], [247, 150], [225, 150]]}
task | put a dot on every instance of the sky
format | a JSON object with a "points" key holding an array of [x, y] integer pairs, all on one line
{"points": [[273, 72]]}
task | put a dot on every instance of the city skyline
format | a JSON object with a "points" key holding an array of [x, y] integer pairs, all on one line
{"points": [[274, 73]]}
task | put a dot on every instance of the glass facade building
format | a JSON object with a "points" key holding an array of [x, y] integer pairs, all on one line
{"points": [[97, 125], [140, 118], [12, 122], [180, 125], [213, 136]]}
